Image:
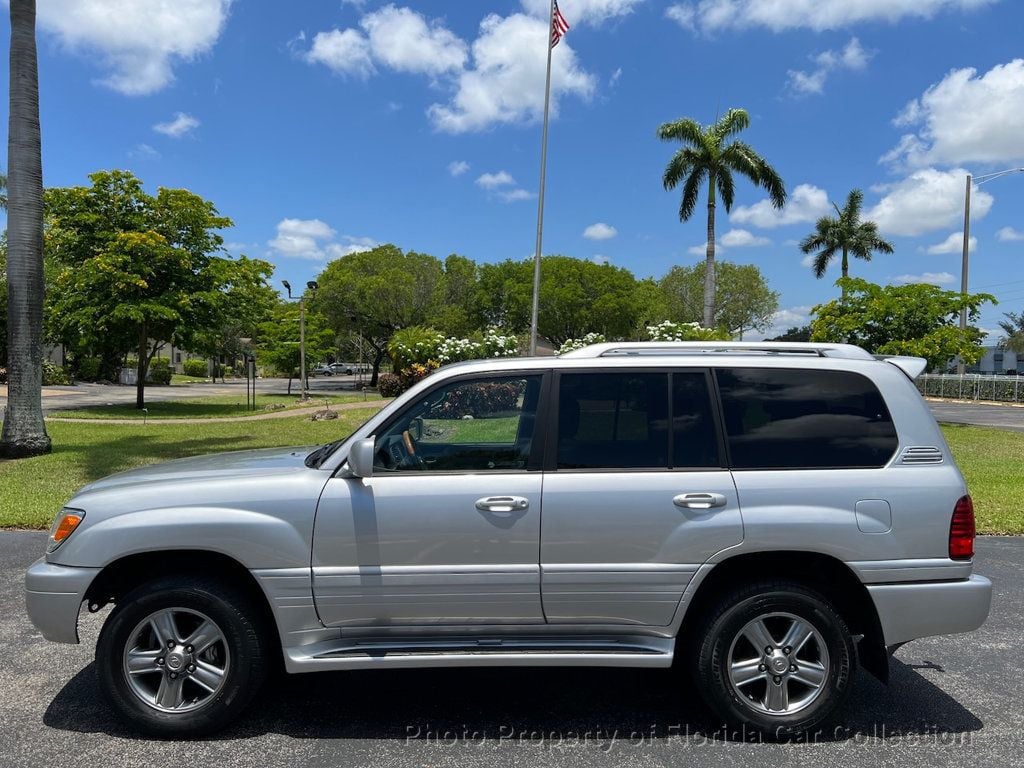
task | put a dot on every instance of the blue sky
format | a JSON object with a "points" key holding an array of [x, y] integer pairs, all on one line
{"points": [[325, 127]]}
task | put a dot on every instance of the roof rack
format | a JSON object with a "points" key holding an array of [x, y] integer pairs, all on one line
{"points": [[669, 348]]}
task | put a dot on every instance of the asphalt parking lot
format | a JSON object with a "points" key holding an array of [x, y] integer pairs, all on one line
{"points": [[952, 701]]}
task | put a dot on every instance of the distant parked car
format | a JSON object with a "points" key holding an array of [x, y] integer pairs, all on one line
{"points": [[348, 369], [324, 370]]}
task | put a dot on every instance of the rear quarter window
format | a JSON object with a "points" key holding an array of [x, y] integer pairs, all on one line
{"points": [[804, 419]]}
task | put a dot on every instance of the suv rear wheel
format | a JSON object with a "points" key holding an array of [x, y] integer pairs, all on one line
{"points": [[181, 657], [776, 658]]}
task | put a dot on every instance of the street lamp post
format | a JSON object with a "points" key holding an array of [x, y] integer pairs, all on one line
{"points": [[311, 288], [972, 181]]}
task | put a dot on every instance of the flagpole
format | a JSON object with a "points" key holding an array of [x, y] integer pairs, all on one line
{"points": [[540, 193]]}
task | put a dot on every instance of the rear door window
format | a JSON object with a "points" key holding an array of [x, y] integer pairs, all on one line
{"points": [[804, 419]]}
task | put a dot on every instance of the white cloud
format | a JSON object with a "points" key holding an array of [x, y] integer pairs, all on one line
{"points": [[742, 238], [808, 260], [965, 118], [778, 15], [927, 200], [601, 260], [591, 12], [344, 52], [458, 167], [495, 180], [852, 57], [935, 278], [600, 231], [137, 42], [505, 83], [684, 15], [402, 40], [702, 249], [316, 240], [1009, 235], [782, 321], [807, 203], [181, 125], [515, 195], [614, 79], [952, 244], [143, 151]]}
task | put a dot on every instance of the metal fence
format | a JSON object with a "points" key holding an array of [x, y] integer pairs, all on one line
{"points": [[1002, 389]]}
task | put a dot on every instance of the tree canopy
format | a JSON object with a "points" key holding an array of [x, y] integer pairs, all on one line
{"points": [[743, 300], [918, 319]]}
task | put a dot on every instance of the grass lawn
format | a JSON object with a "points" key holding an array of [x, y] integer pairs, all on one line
{"points": [[210, 406], [33, 490], [992, 460], [180, 378]]}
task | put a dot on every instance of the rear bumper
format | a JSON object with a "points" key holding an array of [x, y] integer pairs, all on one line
{"points": [[53, 597], [911, 610]]}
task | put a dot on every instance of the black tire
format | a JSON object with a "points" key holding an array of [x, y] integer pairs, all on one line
{"points": [[242, 643], [722, 640]]}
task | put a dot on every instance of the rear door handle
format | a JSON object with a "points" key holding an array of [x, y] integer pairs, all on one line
{"points": [[502, 504], [699, 500]]}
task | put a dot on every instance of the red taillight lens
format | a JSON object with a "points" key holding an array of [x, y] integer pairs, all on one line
{"points": [[961, 530]]}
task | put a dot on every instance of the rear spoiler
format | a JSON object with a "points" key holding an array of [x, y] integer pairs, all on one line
{"points": [[912, 366]]}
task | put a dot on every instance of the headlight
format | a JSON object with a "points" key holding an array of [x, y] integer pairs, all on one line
{"points": [[65, 524]]}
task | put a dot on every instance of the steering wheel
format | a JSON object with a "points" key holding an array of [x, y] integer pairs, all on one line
{"points": [[410, 449]]}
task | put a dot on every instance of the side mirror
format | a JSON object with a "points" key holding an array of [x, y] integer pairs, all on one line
{"points": [[360, 458], [416, 428]]}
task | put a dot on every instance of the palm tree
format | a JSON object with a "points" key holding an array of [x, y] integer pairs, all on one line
{"points": [[844, 233], [24, 433], [705, 155]]}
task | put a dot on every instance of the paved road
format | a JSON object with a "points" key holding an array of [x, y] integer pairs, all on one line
{"points": [[953, 701], [87, 395], [1002, 416]]}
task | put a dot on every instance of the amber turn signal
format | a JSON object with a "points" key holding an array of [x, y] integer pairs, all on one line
{"points": [[63, 527]]}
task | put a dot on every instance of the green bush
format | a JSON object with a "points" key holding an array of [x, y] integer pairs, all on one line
{"points": [[88, 368], [159, 371], [389, 385], [53, 374], [195, 368]]}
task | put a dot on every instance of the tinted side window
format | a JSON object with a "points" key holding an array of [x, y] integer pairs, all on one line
{"points": [[694, 442], [789, 419], [613, 421], [472, 426]]}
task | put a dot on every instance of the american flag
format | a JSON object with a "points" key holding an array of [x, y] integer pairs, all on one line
{"points": [[559, 26]]}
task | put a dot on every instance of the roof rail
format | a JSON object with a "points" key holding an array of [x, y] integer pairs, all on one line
{"points": [[668, 348]]}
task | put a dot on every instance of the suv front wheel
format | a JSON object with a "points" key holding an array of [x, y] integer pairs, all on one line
{"points": [[776, 658], [181, 657]]}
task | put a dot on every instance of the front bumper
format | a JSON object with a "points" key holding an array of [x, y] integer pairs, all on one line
{"points": [[53, 597], [919, 609]]}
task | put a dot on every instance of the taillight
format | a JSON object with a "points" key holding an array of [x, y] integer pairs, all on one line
{"points": [[961, 530]]}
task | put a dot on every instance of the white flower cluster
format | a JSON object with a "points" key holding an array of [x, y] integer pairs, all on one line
{"points": [[571, 345], [452, 350], [669, 331]]}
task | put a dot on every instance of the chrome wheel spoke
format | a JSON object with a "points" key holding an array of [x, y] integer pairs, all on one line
{"points": [[208, 676], [745, 672], [777, 697], [809, 673], [758, 635], [163, 627], [205, 635], [169, 694], [797, 635], [140, 662]]}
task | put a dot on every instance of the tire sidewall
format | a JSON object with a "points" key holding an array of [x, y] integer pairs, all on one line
{"points": [[713, 661], [241, 637]]}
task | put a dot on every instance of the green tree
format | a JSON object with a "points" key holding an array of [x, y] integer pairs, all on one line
{"points": [[134, 271], [918, 319], [1013, 327], [378, 292], [279, 347], [458, 314], [802, 333], [708, 156], [743, 300], [844, 233], [24, 432]]}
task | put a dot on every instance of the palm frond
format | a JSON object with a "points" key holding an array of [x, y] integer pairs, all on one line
{"points": [[731, 123], [726, 187], [679, 167], [686, 130], [691, 192], [821, 263]]}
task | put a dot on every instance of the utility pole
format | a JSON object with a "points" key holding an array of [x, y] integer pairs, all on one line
{"points": [[311, 288], [964, 263]]}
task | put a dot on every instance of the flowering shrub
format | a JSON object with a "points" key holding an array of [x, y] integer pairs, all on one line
{"points": [[53, 374], [571, 345], [417, 351], [478, 400], [669, 331]]}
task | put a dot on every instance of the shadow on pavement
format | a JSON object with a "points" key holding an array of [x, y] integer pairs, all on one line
{"points": [[481, 706]]}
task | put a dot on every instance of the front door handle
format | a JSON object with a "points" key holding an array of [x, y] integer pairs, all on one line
{"points": [[502, 504], [699, 500]]}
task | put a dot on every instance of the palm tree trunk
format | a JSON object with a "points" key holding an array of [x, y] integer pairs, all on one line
{"points": [[846, 270], [24, 432], [709, 267]]}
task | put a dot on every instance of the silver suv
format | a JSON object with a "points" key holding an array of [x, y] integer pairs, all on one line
{"points": [[762, 515]]}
